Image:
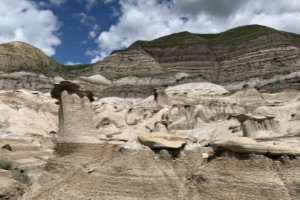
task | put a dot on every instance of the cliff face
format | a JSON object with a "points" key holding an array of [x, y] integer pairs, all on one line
{"points": [[233, 56], [262, 57]]}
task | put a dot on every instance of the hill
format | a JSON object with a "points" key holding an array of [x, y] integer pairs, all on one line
{"points": [[232, 38], [19, 56], [240, 54], [263, 57]]}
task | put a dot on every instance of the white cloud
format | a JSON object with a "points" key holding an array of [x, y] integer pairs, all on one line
{"points": [[89, 4], [21, 20], [85, 19], [92, 35], [108, 1], [149, 19], [93, 32], [57, 2], [72, 63]]}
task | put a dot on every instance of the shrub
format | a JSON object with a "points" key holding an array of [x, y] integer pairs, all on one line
{"points": [[23, 178], [5, 164]]}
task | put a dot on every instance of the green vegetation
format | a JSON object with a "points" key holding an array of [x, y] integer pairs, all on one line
{"points": [[232, 38], [75, 67], [21, 177], [8, 47], [272, 74], [16, 175], [34, 60], [5, 164], [128, 89]]}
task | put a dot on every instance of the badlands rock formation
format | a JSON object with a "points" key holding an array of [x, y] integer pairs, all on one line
{"points": [[182, 142], [262, 57], [75, 114]]}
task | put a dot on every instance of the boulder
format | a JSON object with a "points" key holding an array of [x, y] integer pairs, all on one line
{"points": [[248, 145], [163, 140]]}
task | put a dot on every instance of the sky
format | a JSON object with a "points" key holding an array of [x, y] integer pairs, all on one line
{"points": [[85, 31]]}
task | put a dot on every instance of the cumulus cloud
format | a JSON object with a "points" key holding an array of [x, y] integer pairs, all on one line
{"points": [[108, 1], [85, 19], [92, 35], [57, 2], [22, 20], [217, 8], [72, 63], [149, 19]]}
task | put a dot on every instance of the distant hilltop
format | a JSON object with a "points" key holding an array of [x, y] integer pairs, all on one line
{"points": [[257, 55]]}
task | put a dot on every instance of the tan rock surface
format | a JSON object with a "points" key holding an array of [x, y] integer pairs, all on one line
{"points": [[75, 114], [163, 140], [126, 169], [10, 189], [248, 145], [142, 175]]}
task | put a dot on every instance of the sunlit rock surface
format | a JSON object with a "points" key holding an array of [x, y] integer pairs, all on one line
{"points": [[186, 143]]}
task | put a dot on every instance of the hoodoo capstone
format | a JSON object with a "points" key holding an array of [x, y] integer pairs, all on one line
{"points": [[76, 123]]}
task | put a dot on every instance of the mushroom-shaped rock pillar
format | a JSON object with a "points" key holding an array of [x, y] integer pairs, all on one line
{"points": [[76, 123], [258, 126], [161, 98]]}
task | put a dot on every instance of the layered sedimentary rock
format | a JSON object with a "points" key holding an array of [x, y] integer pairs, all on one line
{"points": [[188, 147], [258, 126], [259, 60], [121, 174], [75, 114], [250, 146], [140, 63]]}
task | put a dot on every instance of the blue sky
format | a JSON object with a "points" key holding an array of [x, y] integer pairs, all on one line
{"points": [[85, 31], [79, 24]]}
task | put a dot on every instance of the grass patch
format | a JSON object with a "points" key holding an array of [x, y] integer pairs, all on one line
{"points": [[21, 177], [128, 89], [69, 68], [5, 164], [232, 38]]}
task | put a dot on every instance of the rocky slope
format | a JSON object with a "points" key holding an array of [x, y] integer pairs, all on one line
{"points": [[233, 56], [262, 57], [191, 141], [15, 56]]}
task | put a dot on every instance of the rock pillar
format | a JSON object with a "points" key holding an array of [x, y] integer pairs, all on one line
{"points": [[76, 123]]}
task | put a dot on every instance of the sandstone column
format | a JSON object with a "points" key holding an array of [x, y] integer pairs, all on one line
{"points": [[76, 123]]}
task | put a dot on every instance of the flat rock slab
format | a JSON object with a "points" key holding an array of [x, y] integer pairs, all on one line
{"points": [[248, 145], [163, 140]]}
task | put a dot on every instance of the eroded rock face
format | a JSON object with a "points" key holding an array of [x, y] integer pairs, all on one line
{"points": [[249, 97], [76, 123], [10, 189], [258, 126], [25, 114], [194, 156], [121, 174]]}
